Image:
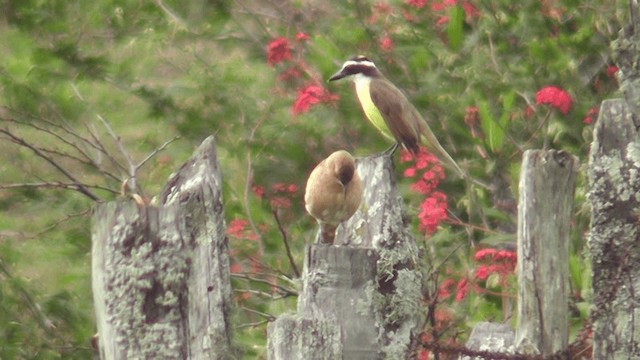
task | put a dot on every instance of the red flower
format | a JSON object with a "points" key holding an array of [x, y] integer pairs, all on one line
{"points": [[501, 262], [470, 10], [410, 172], [462, 289], [278, 51], [386, 44], [418, 4], [432, 211], [280, 202], [279, 187], [311, 95], [405, 156], [300, 36], [592, 114], [423, 355], [556, 97], [239, 229], [258, 190], [445, 288], [483, 254], [611, 71], [289, 74]]}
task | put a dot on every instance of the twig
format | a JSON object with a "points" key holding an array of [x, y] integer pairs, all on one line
{"points": [[42, 319], [156, 151], [81, 187], [249, 181], [283, 289], [253, 324], [175, 18], [286, 243], [60, 221], [261, 293], [133, 186], [55, 184], [269, 317]]}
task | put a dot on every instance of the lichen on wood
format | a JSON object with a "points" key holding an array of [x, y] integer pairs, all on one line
{"points": [[160, 272]]}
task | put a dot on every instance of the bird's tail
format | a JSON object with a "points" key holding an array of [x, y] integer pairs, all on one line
{"points": [[433, 145]]}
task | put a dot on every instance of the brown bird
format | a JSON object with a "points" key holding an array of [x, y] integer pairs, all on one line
{"points": [[334, 193]]}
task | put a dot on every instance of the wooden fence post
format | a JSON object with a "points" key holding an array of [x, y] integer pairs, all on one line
{"points": [[367, 285], [614, 241], [161, 272], [547, 186], [614, 180]]}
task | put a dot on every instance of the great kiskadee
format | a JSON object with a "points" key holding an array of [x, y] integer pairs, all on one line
{"points": [[389, 110], [333, 193]]}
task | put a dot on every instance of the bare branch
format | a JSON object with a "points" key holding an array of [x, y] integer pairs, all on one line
{"points": [[156, 151], [132, 167], [55, 184], [81, 188], [282, 289], [286, 243], [269, 317]]}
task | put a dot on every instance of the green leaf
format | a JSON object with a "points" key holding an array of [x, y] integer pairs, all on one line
{"points": [[493, 131], [507, 105], [454, 30]]}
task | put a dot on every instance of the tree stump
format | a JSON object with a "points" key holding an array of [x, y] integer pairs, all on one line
{"points": [[547, 186], [367, 284], [161, 272]]}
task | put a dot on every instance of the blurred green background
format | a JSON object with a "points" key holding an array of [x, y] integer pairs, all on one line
{"points": [[156, 70]]}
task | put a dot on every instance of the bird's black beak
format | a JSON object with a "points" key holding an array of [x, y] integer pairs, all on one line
{"points": [[337, 76]]}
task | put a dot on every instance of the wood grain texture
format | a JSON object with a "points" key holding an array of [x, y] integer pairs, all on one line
{"points": [[160, 272], [545, 208]]}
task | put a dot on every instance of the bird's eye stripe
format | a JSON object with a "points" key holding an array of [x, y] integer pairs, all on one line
{"points": [[358, 68]]}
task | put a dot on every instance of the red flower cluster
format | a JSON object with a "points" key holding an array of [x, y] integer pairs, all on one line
{"points": [[592, 115], [470, 10], [502, 262], [386, 44], [239, 229], [311, 95], [418, 4], [300, 36], [282, 195], [556, 97], [433, 210], [278, 51], [428, 173]]}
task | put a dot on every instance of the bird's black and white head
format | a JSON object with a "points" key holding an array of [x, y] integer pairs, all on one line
{"points": [[356, 67]]}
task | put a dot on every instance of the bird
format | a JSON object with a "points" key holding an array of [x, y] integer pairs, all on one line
{"points": [[333, 193], [389, 110]]}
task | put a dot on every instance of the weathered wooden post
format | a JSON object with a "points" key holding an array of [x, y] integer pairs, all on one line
{"points": [[546, 189], [161, 272], [362, 295], [614, 180], [545, 207]]}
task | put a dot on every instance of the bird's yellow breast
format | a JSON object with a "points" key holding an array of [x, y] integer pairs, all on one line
{"points": [[369, 108]]}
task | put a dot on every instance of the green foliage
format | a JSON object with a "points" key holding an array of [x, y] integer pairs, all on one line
{"points": [[155, 70]]}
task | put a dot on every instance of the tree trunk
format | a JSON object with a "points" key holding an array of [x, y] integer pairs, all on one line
{"points": [[368, 283], [161, 273], [547, 186]]}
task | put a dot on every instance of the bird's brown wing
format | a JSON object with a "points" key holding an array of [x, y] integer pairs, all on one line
{"points": [[396, 113]]}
